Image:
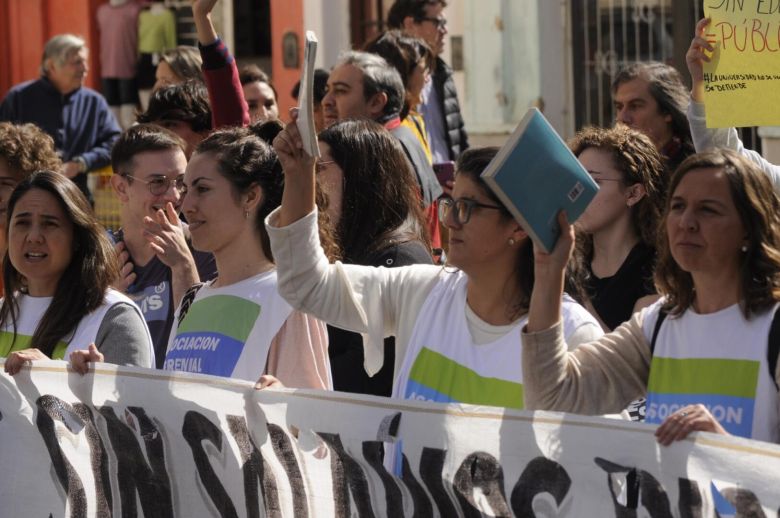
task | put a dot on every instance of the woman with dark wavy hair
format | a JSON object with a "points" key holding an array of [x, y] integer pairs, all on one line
{"points": [[374, 204], [57, 272], [611, 272], [700, 353]]}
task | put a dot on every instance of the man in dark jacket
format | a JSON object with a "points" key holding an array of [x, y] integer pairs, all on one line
{"points": [[440, 108]]}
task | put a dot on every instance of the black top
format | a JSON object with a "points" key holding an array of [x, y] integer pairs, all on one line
{"points": [[345, 348], [614, 297], [455, 132]]}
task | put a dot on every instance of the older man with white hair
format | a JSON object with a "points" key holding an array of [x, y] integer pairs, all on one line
{"points": [[77, 118]]}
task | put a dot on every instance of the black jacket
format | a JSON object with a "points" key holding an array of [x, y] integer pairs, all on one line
{"points": [[455, 133]]}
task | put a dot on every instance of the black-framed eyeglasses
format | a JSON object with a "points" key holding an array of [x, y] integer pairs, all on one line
{"points": [[159, 185], [463, 208], [440, 23]]}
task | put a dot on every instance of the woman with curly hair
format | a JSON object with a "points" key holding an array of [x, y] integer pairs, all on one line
{"points": [[57, 272], [611, 272], [24, 149], [700, 353]]}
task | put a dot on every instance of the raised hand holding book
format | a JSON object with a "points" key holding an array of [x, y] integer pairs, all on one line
{"points": [[535, 175], [305, 120]]}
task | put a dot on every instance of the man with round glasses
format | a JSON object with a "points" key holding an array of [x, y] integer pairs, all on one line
{"points": [[159, 264]]}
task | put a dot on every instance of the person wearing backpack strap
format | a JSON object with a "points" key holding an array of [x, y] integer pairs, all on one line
{"points": [[719, 275]]}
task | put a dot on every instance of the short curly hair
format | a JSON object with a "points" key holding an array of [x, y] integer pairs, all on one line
{"points": [[26, 149]]}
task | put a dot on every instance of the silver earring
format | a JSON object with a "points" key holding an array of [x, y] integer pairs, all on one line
{"points": [[744, 248], [511, 242], [246, 214]]}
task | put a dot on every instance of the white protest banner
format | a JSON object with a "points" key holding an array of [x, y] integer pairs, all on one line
{"points": [[135, 442]]}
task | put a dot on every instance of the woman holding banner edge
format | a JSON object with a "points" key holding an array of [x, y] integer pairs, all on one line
{"points": [[701, 353], [457, 332], [57, 272]]}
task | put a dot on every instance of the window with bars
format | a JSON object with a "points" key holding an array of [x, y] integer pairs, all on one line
{"points": [[609, 34]]}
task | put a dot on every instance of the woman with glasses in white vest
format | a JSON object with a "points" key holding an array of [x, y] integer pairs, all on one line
{"points": [[457, 328]]}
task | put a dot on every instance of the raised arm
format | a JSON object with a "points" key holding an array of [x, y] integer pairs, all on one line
{"points": [[596, 378], [226, 96], [375, 302], [705, 138], [549, 272], [298, 198]]}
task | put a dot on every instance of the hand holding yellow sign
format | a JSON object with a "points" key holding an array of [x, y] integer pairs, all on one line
{"points": [[742, 78]]}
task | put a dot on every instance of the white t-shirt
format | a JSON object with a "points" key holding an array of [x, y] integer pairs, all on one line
{"points": [[32, 309], [719, 360], [446, 362], [228, 330]]}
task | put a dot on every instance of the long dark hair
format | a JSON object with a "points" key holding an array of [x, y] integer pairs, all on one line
{"points": [[82, 287], [471, 163], [381, 204], [759, 209]]}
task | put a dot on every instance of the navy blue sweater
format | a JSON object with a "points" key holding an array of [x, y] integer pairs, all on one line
{"points": [[81, 123]]}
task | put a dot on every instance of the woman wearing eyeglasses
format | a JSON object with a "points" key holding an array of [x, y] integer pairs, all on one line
{"points": [[611, 272], [457, 328]]}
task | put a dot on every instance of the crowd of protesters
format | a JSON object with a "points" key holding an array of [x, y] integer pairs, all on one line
{"points": [[240, 255]]}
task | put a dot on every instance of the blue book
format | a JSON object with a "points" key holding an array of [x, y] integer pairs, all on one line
{"points": [[535, 175]]}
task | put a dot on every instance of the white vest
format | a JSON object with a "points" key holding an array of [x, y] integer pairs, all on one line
{"points": [[718, 360], [444, 364], [31, 310], [227, 331]]}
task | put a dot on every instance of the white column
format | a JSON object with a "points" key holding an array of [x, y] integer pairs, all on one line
{"points": [[329, 19], [501, 62]]}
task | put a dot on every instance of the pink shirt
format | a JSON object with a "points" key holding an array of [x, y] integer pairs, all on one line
{"points": [[118, 27]]}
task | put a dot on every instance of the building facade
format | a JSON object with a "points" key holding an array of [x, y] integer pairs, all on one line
{"points": [[508, 55]]}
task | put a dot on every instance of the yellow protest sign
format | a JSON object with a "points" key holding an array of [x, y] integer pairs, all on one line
{"points": [[742, 82]]}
